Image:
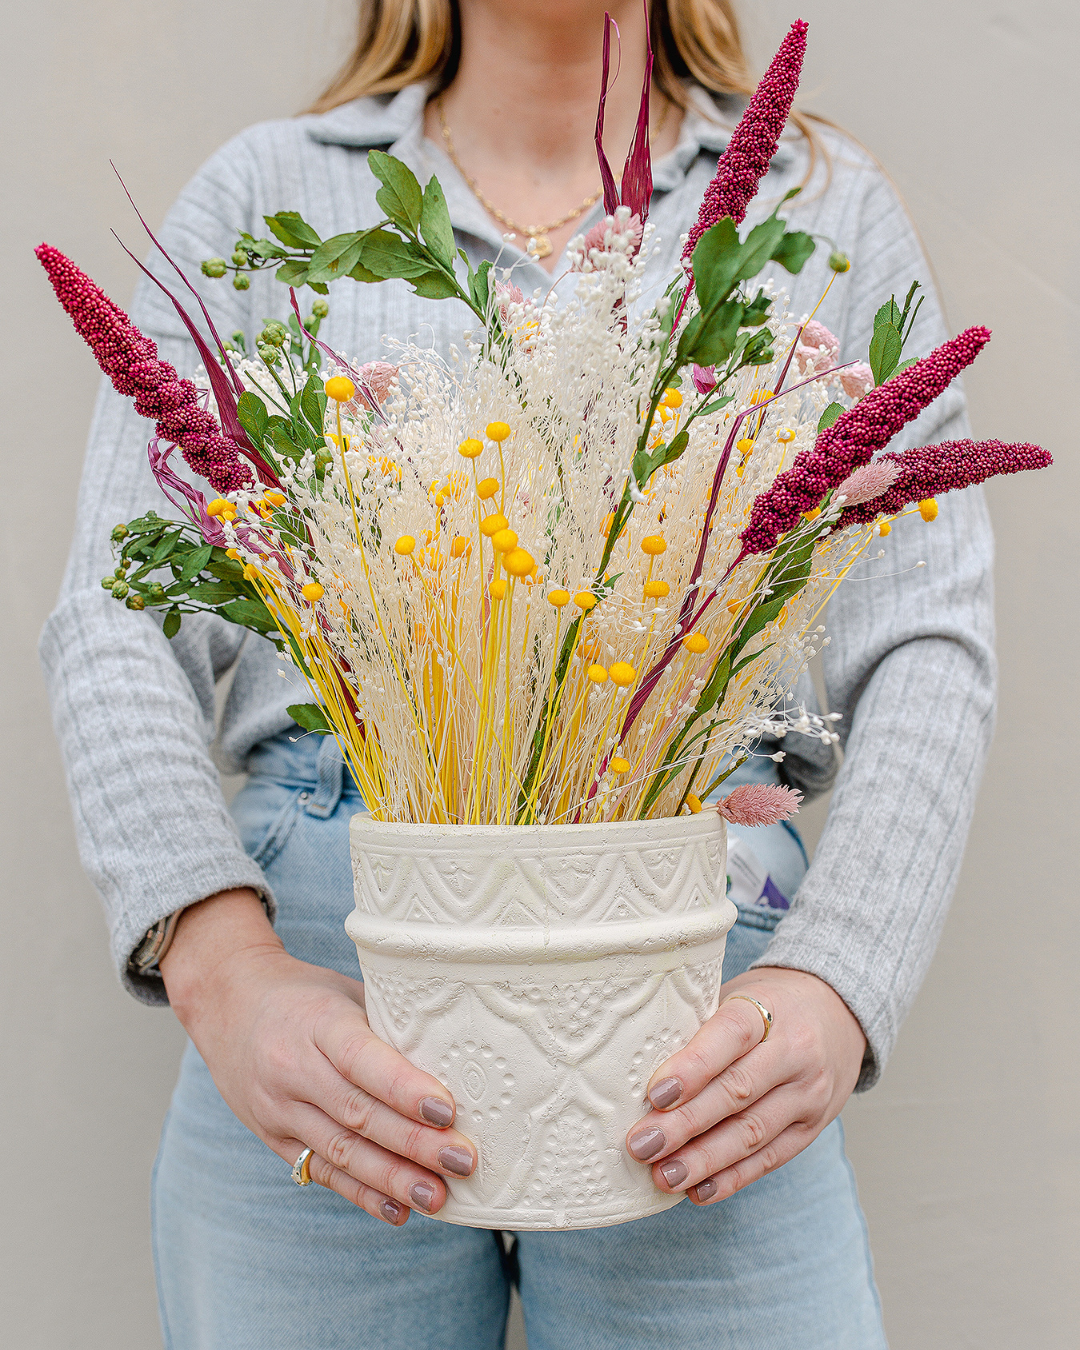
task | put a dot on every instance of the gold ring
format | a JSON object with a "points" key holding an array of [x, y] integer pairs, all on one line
{"points": [[301, 1172], [766, 1015]]}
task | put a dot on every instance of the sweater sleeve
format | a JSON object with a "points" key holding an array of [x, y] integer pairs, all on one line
{"points": [[910, 667], [134, 712]]}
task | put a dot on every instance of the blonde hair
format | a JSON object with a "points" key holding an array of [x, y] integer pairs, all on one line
{"points": [[402, 42]]}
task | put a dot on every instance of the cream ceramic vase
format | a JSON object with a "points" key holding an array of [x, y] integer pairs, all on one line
{"points": [[543, 973]]}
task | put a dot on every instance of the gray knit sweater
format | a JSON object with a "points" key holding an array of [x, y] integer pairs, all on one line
{"points": [[910, 666]]}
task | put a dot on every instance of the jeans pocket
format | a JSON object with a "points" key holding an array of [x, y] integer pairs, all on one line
{"points": [[265, 813]]}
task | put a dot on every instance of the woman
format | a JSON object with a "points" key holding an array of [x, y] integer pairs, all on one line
{"points": [[498, 98]]}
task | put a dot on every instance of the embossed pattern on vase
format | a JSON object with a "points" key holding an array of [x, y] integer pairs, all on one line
{"points": [[548, 1062]]}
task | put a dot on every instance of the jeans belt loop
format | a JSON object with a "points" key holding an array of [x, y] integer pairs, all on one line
{"points": [[331, 770]]}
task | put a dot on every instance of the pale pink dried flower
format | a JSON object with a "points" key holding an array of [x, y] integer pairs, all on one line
{"points": [[376, 377], [868, 482], [621, 232], [759, 804], [857, 380], [507, 294], [817, 350]]}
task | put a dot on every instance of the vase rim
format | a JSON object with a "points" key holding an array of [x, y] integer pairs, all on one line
{"points": [[693, 823]]}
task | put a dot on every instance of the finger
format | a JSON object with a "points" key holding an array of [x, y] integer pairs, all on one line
{"points": [[368, 1162], [360, 1056], [732, 1140], [733, 1031], [379, 1206], [443, 1151], [739, 1086], [787, 1144]]}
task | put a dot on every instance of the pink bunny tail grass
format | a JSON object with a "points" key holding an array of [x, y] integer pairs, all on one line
{"points": [[759, 804], [130, 360], [933, 469], [753, 143], [855, 437], [868, 482]]}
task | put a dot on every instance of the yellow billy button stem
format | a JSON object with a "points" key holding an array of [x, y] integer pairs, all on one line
{"points": [[491, 525], [622, 673], [487, 488], [928, 509], [696, 643], [656, 590], [619, 765], [597, 674], [340, 388], [471, 448], [518, 562], [312, 591], [653, 545], [497, 431], [558, 598], [586, 600], [404, 545]]}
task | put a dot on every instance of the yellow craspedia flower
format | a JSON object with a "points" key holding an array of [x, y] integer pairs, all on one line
{"points": [[694, 803], [744, 446], [491, 525], [812, 515], [274, 498], [733, 606], [497, 431], [653, 545], [619, 765], [219, 506], [504, 540], [696, 643], [883, 528], [656, 590], [671, 398], [585, 600], [785, 434], [518, 562], [597, 674], [622, 673], [471, 447], [487, 488], [250, 572], [928, 509], [312, 591], [558, 598], [340, 388], [459, 546], [232, 553], [497, 589], [404, 545]]}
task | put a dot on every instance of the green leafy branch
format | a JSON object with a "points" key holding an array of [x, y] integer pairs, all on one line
{"points": [[892, 328]]}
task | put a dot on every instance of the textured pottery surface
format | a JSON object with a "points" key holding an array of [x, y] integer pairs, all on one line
{"points": [[543, 973]]}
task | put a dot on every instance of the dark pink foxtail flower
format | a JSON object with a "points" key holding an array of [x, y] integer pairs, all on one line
{"points": [[933, 469], [855, 437], [759, 804], [131, 362], [753, 143]]}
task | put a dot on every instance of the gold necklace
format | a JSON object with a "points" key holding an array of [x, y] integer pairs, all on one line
{"points": [[537, 233]]}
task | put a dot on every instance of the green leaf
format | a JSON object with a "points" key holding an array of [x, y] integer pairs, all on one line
{"points": [[224, 567], [478, 286], [171, 626], [435, 225], [885, 349], [264, 248], [793, 250], [829, 416], [435, 286], [888, 313], [293, 230], [145, 524], [293, 273], [309, 716], [715, 261], [646, 464], [195, 562], [904, 364], [165, 547], [249, 614], [400, 195], [336, 257], [313, 403], [212, 592], [710, 336], [252, 416], [389, 256], [362, 273]]}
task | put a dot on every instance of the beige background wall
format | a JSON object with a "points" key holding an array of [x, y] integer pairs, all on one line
{"points": [[968, 1154]]}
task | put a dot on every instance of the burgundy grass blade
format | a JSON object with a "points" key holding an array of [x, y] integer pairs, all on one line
{"points": [[611, 192]]}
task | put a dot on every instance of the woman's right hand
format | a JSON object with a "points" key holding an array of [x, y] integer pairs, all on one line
{"points": [[289, 1047]]}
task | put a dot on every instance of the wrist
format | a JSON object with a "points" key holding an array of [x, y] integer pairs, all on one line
{"points": [[210, 942]]}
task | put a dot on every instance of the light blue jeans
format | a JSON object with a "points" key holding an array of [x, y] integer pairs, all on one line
{"points": [[246, 1260]]}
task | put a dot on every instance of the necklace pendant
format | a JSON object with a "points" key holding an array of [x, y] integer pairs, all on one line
{"points": [[542, 245]]}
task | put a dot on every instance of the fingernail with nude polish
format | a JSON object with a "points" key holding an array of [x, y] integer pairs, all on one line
{"points": [[422, 1195], [390, 1209], [705, 1190], [436, 1112], [667, 1091], [647, 1143], [674, 1172], [456, 1160]]}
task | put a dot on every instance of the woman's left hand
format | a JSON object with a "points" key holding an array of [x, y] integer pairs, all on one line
{"points": [[731, 1107]]}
